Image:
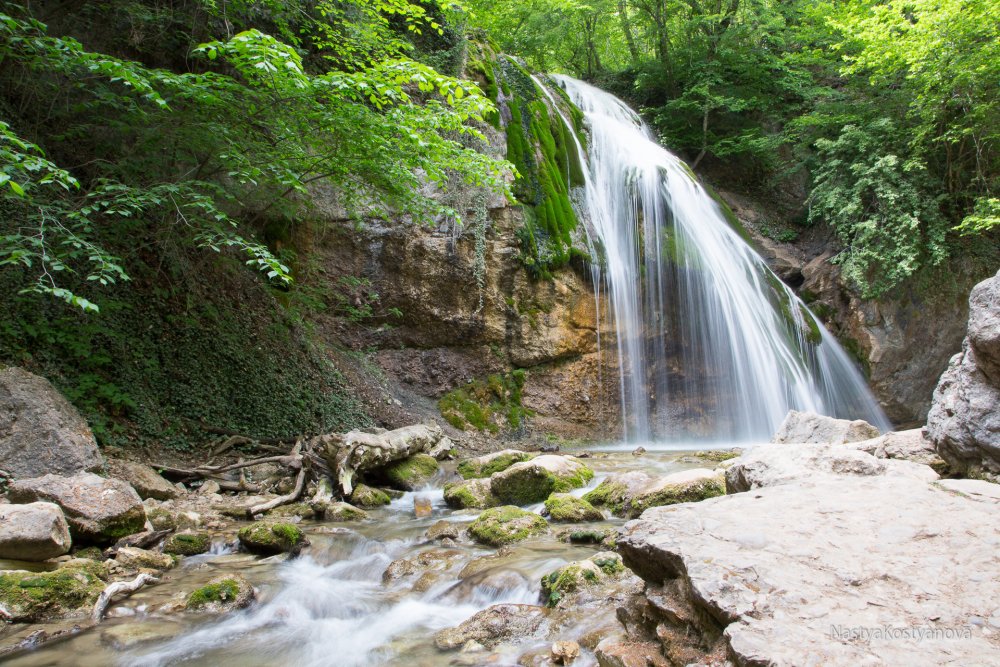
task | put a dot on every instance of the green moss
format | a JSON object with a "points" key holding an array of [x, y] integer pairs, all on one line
{"points": [[187, 544], [591, 536], [271, 538], [608, 494], [90, 553], [367, 497], [162, 519], [813, 333], [610, 564], [474, 493], [680, 493], [507, 524], [564, 507], [555, 585], [471, 468], [301, 510], [226, 590], [412, 472], [488, 404], [35, 596], [718, 455], [535, 484]]}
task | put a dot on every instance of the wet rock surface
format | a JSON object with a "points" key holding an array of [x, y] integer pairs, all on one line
{"points": [[98, 510], [40, 431], [809, 427]]}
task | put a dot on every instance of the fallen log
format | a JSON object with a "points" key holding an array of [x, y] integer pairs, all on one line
{"points": [[118, 588]]}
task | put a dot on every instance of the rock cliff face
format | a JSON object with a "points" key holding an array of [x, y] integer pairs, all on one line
{"points": [[964, 420]]}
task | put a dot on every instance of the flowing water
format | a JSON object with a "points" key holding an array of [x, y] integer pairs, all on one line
{"points": [[710, 342], [331, 606]]}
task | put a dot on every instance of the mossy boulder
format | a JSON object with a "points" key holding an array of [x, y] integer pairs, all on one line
{"points": [[565, 507], [224, 593], [366, 496], [267, 539], [535, 480], [486, 465], [570, 578], [300, 510], [683, 487], [474, 493], [629, 494], [411, 473], [504, 525], [187, 544], [30, 597], [344, 512]]}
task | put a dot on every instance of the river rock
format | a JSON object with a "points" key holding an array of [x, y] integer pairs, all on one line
{"points": [[146, 481], [578, 574], [774, 464], [533, 481], [629, 494], [368, 497], [98, 510], [905, 445], [964, 420], [564, 652], [344, 512], [187, 544], [487, 464], [133, 558], [29, 597], [614, 652], [33, 532], [795, 572], [224, 593], [268, 539], [444, 530], [809, 427], [494, 625], [40, 431], [411, 473], [503, 525], [473, 494], [567, 507]]}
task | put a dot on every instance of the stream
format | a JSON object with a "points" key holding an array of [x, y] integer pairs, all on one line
{"points": [[331, 605]]}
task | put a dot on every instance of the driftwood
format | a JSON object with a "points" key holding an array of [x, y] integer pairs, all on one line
{"points": [[142, 540], [358, 451], [302, 463], [118, 588]]}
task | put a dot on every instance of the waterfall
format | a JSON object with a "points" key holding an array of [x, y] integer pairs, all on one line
{"points": [[710, 343]]}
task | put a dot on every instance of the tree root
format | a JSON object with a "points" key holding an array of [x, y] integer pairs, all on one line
{"points": [[117, 588]]}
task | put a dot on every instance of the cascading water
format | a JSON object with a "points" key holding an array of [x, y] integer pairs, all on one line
{"points": [[710, 342]]}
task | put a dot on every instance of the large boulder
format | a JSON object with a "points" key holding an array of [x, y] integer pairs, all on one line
{"points": [[146, 481], [776, 464], [809, 427], [567, 507], [629, 494], [470, 494], [964, 420], [29, 597], [495, 624], [269, 539], [411, 473], [98, 510], [40, 431], [835, 569], [535, 480], [37, 531], [487, 464]]}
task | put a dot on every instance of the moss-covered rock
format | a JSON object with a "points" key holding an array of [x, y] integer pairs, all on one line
{"points": [[717, 455], [503, 525], [473, 493], [570, 578], [300, 510], [187, 544], [344, 512], [411, 473], [684, 487], [565, 507], [535, 480], [489, 404], [30, 597], [366, 496], [229, 591], [272, 538], [162, 519], [486, 465]]}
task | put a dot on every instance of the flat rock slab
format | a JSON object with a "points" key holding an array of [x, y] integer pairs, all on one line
{"points": [[838, 570]]}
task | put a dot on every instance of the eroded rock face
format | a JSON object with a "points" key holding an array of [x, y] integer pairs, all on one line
{"points": [[809, 427], [33, 532], [98, 510], [794, 570], [964, 421], [40, 431]]}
